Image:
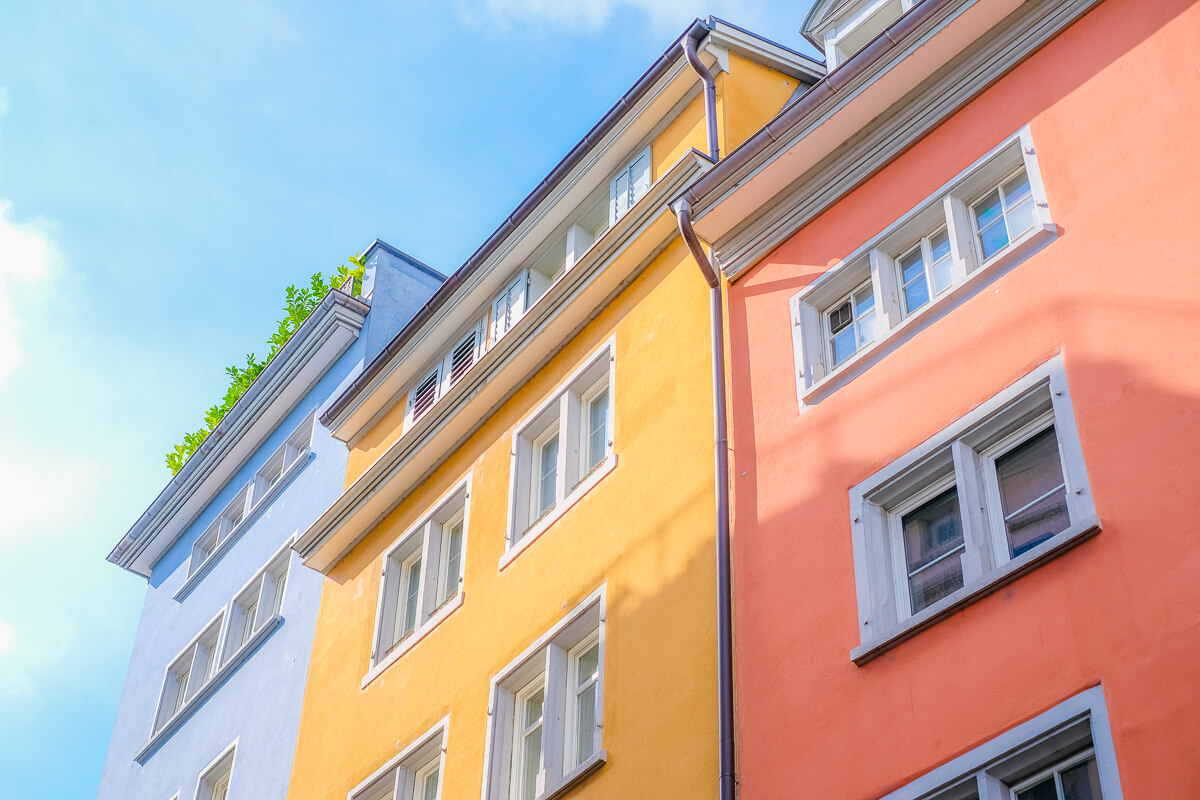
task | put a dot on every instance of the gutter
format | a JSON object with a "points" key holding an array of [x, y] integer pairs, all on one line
{"points": [[811, 101], [694, 33], [727, 781]]}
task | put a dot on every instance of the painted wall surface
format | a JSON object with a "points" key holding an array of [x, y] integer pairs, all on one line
{"points": [[1112, 106], [259, 704], [645, 531]]}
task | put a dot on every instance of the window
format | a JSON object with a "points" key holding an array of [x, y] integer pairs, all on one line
{"points": [[227, 526], [850, 323], [861, 23], [189, 672], [972, 507], [991, 215], [629, 186], [257, 603], [561, 449], [414, 774], [1065, 753], [510, 306], [449, 370], [215, 780], [546, 710], [422, 577]]}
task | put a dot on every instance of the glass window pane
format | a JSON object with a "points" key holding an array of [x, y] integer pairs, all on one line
{"points": [[1021, 217], [912, 266], [1081, 782], [589, 661], [916, 294], [939, 246], [993, 238], [933, 541], [844, 345], [1016, 190], [990, 220], [864, 301], [548, 475], [1033, 495], [866, 329], [585, 714], [453, 561], [532, 752], [430, 789], [533, 707], [1042, 791], [412, 585], [597, 429]]}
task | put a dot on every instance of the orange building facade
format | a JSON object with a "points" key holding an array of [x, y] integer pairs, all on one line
{"points": [[965, 407]]}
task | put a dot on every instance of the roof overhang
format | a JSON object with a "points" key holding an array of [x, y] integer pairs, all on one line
{"points": [[636, 118], [297, 367], [928, 64], [574, 300]]}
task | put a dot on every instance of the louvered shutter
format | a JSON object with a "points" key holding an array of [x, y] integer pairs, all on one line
{"points": [[629, 186], [509, 306], [423, 396], [463, 356]]}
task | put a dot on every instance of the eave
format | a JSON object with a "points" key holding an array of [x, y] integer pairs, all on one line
{"points": [[297, 367], [927, 65], [662, 90], [573, 301]]}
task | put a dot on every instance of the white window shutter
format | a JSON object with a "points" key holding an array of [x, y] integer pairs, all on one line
{"points": [[499, 316], [630, 185], [639, 177], [618, 196], [509, 306]]}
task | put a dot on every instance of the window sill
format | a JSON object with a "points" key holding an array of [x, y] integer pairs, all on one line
{"points": [[538, 528], [977, 590], [577, 776], [206, 566], [983, 275], [207, 690], [439, 614]]}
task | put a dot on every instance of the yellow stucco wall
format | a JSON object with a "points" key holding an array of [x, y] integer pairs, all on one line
{"points": [[646, 529]]}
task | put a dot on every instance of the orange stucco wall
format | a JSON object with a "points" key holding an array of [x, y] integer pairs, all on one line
{"points": [[1112, 105], [645, 531]]}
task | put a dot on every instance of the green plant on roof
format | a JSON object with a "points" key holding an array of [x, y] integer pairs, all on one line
{"points": [[298, 304]]}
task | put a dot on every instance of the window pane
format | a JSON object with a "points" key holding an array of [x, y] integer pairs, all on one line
{"points": [[532, 765], [1042, 791], [1033, 495], [990, 220], [844, 345], [912, 266], [1016, 190], [1021, 217], [939, 246], [412, 585], [866, 329], [1081, 782], [453, 561], [933, 540], [277, 600], [431, 785], [916, 294], [864, 301], [585, 743], [248, 615], [548, 475], [589, 661], [597, 429]]}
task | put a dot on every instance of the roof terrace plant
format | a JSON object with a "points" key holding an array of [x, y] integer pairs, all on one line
{"points": [[298, 305]]}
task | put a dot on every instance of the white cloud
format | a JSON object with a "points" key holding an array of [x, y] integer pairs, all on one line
{"points": [[27, 258]]}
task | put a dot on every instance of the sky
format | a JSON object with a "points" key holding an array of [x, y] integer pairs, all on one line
{"points": [[166, 169]]}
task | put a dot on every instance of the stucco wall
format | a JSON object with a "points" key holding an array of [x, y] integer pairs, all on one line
{"points": [[259, 703], [1112, 107]]}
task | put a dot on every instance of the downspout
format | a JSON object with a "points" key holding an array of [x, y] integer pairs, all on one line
{"points": [[710, 95], [683, 210], [725, 748]]}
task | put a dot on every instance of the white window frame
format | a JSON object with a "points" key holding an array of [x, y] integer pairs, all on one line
{"points": [[402, 776], [546, 662], [621, 202], [876, 260], [854, 19], [203, 649], [562, 413], [428, 538], [442, 373], [1074, 729], [266, 591], [218, 770], [285, 462], [962, 455]]}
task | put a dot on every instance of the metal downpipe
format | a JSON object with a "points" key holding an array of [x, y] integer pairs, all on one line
{"points": [[721, 445], [710, 96]]}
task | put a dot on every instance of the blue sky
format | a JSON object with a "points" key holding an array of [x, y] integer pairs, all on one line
{"points": [[165, 170]]}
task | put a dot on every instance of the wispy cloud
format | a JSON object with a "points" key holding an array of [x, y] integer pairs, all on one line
{"points": [[28, 256]]}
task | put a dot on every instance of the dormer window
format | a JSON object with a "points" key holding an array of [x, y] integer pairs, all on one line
{"points": [[857, 24]]}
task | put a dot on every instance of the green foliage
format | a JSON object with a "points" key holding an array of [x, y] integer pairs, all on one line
{"points": [[298, 304]]}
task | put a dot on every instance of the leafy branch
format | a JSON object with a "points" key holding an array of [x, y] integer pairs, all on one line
{"points": [[299, 303]]}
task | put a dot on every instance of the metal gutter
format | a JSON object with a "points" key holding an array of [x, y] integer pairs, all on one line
{"points": [[694, 33], [814, 99]]}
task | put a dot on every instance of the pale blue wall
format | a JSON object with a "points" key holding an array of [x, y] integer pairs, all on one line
{"points": [[259, 704]]}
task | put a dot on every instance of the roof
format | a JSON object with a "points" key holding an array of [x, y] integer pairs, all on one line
{"points": [[797, 63]]}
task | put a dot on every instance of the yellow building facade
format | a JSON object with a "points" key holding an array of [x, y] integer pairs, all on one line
{"points": [[520, 595]]}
